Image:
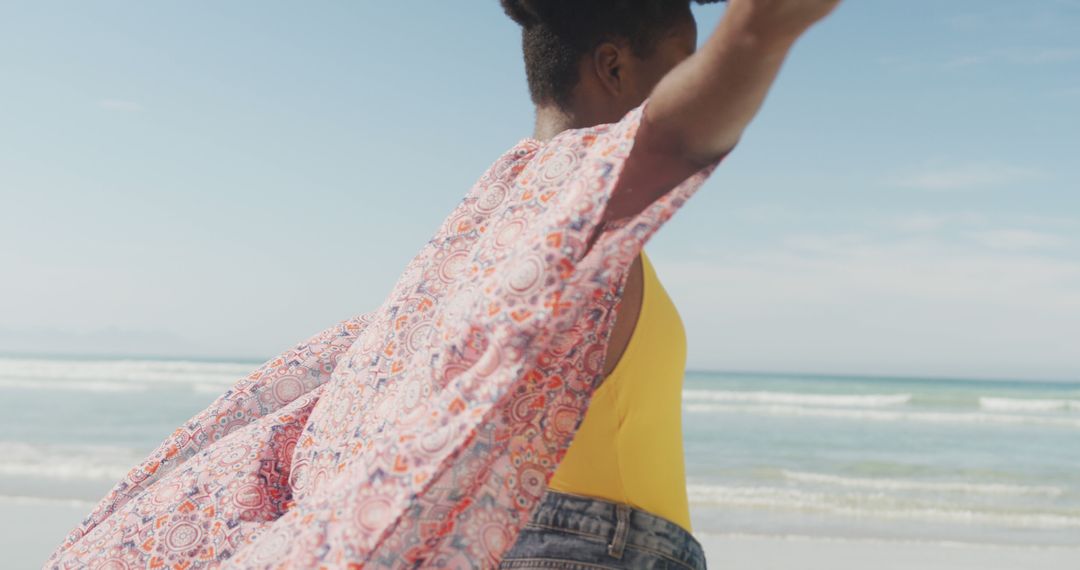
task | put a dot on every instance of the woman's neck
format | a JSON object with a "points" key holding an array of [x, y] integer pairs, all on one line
{"points": [[584, 112], [550, 121]]}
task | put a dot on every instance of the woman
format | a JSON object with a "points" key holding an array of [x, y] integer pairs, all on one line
{"points": [[618, 497], [426, 432]]}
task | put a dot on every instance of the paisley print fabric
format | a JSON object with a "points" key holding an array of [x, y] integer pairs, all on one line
{"points": [[420, 434]]}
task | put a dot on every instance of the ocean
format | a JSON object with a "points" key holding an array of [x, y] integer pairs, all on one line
{"points": [[895, 459]]}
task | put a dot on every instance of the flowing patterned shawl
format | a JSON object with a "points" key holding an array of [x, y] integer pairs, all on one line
{"points": [[423, 433]]}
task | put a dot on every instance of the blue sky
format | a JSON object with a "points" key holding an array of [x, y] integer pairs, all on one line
{"points": [[225, 179]]}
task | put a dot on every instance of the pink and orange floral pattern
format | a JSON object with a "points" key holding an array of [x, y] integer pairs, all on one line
{"points": [[423, 433]]}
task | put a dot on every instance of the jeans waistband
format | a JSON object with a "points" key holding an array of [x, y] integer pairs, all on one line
{"points": [[623, 525]]}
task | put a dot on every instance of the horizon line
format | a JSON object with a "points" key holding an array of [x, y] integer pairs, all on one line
{"points": [[803, 374]]}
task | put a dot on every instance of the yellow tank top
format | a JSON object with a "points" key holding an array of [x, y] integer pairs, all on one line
{"points": [[629, 448]]}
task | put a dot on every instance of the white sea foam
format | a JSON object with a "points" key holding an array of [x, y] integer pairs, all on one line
{"points": [[117, 375], [889, 415], [91, 462], [68, 386], [835, 400], [1028, 405], [36, 501], [202, 388], [875, 505], [933, 486]]}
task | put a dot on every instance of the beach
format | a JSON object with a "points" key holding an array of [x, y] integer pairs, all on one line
{"points": [[41, 526], [33, 529], [783, 471], [802, 553]]}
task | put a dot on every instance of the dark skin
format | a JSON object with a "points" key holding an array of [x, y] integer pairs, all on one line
{"points": [[613, 80], [700, 102]]}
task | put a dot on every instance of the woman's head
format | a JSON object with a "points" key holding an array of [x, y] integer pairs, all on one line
{"points": [[601, 50]]}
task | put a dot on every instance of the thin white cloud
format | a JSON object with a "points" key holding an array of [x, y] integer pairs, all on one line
{"points": [[924, 222], [967, 176], [1017, 56], [824, 243], [120, 105], [768, 213], [968, 21], [963, 61], [1067, 92], [1042, 55], [916, 305], [1062, 222], [1017, 239], [920, 223], [1022, 56], [892, 59]]}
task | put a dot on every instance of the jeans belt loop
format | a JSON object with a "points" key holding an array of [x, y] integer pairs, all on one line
{"points": [[622, 527]]}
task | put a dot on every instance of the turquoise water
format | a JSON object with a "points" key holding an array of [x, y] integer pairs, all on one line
{"points": [[892, 458], [913, 459]]}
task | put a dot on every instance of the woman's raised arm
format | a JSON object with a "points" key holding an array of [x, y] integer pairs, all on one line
{"points": [[697, 113]]}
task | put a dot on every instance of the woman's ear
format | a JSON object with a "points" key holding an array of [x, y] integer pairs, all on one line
{"points": [[609, 67]]}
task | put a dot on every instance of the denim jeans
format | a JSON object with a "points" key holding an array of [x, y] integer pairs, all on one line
{"points": [[574, 532]]}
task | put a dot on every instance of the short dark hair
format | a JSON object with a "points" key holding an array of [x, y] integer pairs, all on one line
{"points": [[556, 33]]}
